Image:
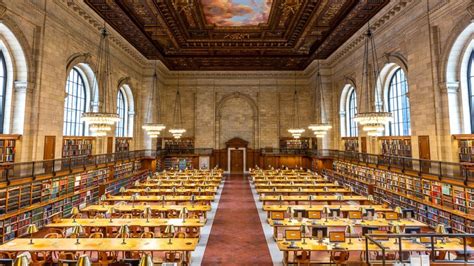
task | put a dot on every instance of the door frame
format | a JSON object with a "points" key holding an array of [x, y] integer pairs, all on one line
{"points": [[229, 159]]}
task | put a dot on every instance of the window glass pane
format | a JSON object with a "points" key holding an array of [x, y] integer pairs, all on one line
{"points": [[399, 104], [351, 113], [122, 124], [3, 88], [470, 89], [74, 104]]}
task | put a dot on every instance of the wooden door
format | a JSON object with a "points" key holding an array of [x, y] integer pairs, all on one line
{"points": [[48, 152], [110, 144], [424, 152], [236, 161], [363, 144]]}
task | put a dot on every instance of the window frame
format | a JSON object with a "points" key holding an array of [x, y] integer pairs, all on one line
{"points": [[72, 125], [122, 131], [470, 89], [351, 111], [3, 91], [397, 94]]}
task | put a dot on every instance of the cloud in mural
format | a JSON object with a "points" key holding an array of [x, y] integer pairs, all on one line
{"points": [[236, 12]]}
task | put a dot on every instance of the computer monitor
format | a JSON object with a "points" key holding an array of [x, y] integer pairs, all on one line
{"points": [[314, 214], [356, 215], [292, 235], [408, 213], [337, 237], [390, 216], [320, 232]]}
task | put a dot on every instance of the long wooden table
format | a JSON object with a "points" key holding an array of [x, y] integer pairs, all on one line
{"points": [[319, 198], [170, 185], [317, 185], [315, 191], [358, 244], [305, 208], [167, 191], [118, 222], [127, 208], [157, 199], [340, 222]]}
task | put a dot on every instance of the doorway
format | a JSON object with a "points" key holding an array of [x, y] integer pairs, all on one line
{"points": [[424, 152], [236, 161], [48, 152]]}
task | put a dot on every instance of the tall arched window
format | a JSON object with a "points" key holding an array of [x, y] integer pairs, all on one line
{"points": [[74, 104], [121, 129], [399, 104], [351, 127], [470, 89], [3, 89]]}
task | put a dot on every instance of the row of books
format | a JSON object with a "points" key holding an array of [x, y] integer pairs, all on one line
{"points": [[466, 150], [7, 150], [77, 147], [396, 147]]}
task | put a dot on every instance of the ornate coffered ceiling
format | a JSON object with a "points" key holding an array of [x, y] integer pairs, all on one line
{"points": [[236, 34]]}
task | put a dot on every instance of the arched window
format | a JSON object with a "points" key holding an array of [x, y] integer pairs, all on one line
{"points": [[470, 89], [122, 126], [3, 89], [399, 104], [74, 104], [351, 127]]}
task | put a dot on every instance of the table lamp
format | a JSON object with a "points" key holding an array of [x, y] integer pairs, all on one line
{"points": [[77, 230], [311, 198], [289, 210], [163, 201], [31, 230], [110, 212], [199, 189], [303, 229], [159, 183], [134, 198], [292, 183], [21, 260], [124, 231], [326, 211], [370, 198], [441, 229], [145, 260], [148, 178], [274, 189], [170, 231], [325, 178], [326, 189], [147, 190], [137, 183], [340, 198], [102, 199], [280, 198], [193, 199], [399, 211], [122, 190], [395, 229], [315, 183], [350, 230], [74, 212], [183, 214], [146, 213], [269, 183], [300, 189], [83, 260]]}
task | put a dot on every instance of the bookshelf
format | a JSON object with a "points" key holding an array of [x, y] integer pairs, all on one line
{"points": [[175, 144], [351, 144], [295, 144], [77, 146], [8, 145], [465, 147], [181, 162], [40, 200], [122, 144], [432, 200], [396, 146]]}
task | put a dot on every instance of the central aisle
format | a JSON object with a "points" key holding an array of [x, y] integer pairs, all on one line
{"points": [[237, 237]]}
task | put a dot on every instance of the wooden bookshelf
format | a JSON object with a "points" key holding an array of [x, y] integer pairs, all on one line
{"points": [[181, 162], [351, 143], [8, 144], [433, 201], [39, 201], [296, 144], [465, 147], [122, 144], [77, 146], [175, 144], [396, 146]]}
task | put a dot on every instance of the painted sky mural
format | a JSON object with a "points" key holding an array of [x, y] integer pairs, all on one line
{"points": [[236, 12]]}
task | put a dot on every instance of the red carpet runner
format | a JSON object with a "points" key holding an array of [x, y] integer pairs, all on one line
{"points": [[237, 237]]}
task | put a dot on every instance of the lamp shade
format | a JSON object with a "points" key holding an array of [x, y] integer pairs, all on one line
{"points": [[340, 197], [289, 210], [441, 229], [124, 230], [78, 229], [370, 197], [326, 210], [110, 211], [103, 198], [32, 228], [193, 198], [147, 211], [395, 229], [134, 197], [170, 229], [74, 211], [147, 189], [350, 229], [336, 183], [137, 183], [146, 260], [21, 260], [183, 213], [83, 260], [304, 229], [398, 210], [122, 190], [280, 197]]}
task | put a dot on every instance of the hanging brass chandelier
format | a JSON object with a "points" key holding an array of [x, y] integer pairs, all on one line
{"points": [[177, 130], [296, 130], [154, 129], [374, 120], [320, 128], [102, 121]]}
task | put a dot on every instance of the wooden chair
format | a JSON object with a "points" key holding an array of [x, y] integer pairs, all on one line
{"points": [[147, 235], [173, 256], [106, 258], [172, 214], [192, 232], [303, 258], [180, 235], [340, 257], [39, 258], [69, 258], [58, 231]]}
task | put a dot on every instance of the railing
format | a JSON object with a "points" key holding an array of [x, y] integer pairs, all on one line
{"points": [[432, 246], [440, 169], [12, 171], [276, 151], [185, 151]]}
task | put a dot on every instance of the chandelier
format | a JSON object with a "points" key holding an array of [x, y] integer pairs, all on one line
{"points": [[154, 129], [101, 122], [374, 120], [177, 130], [319, 128], [296, 131]]}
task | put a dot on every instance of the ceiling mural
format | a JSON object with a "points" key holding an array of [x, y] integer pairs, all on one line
{"points": [[236, 12], [237, 34]]}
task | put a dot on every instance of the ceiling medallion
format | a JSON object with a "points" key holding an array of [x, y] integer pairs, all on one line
{"points": [[291, 6]]}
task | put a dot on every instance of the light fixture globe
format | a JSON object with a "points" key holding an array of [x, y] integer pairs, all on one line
{"points": [[100, 118], [177, 130], [100, 127], [153, 127], [373, 118], [320, 127], [374, 127]]}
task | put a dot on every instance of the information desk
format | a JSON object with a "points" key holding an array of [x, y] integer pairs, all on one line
{"points": [[325, 198], [344, 208], [340, 222], [128, 208], [358, 245], [175, 199]]}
